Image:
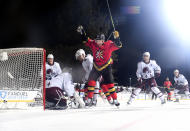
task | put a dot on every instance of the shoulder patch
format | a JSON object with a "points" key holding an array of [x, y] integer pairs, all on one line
{"points": [[153, 61]]}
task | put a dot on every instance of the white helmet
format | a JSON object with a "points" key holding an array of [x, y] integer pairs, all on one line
{"points": [[79, 53], [176, 71], [50, 56], [146, 54]]}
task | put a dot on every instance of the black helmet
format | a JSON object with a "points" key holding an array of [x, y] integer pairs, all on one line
{"points": [[100, 37]]}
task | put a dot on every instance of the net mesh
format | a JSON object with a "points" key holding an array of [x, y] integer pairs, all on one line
{"points": [[22, 69]]}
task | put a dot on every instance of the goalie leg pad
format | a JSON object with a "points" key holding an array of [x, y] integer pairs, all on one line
{"points": [[54, 97]]}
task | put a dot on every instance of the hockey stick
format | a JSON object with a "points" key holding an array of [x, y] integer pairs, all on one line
{"points": [[110, 15]]}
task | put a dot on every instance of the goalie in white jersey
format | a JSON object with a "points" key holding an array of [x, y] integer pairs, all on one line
{"points": [[147, 71], [181, 84], [52, 68], [59, 84]]}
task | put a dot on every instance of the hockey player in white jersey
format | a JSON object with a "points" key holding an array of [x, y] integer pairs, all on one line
{"points": [[54, 91], [147, 71], [87, 64], [52, 68], [181, 84]]}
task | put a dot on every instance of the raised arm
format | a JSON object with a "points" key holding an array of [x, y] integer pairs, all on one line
{"points": [[117, 41], [81, 30], [86, 40]]}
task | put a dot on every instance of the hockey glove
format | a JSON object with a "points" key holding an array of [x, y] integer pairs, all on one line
{"points": [[80, 29], [157, 75], [116, 34]]}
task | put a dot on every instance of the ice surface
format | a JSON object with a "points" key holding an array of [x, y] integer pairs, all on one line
{"points": [[142, 115]]}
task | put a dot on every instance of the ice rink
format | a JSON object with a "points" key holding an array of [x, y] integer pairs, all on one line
{"points": [[142, 115]]}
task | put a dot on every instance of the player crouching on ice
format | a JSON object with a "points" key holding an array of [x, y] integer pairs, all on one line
{"points": [[55, 97], [87, 64], [102, 52], [147, 71], [181, 84]]}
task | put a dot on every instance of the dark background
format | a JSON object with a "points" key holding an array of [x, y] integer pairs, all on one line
{"points": [[52, 25]]}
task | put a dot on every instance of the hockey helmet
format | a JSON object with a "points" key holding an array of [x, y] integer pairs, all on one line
{"points": [[50, 56], [100, 37], [146, 54], [79, 53], [176, 71]]}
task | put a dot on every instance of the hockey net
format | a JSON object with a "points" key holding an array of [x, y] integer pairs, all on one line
{"points": [[22, 77]]}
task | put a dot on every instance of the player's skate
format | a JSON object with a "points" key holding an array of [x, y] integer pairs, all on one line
{"points": [[177, 100], [163, 101], [88, 103], [94, 102], [128, 103], [111, 102], [116, 103]]}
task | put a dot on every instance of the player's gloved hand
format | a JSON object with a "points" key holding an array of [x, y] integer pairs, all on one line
{"points": [[157, 75], [79, 29], [116, 34]]}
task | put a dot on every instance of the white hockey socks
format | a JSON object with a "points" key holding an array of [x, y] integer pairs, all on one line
{"points": [[187, 94], [96, 93], [158, 93], [177, 96], [133, 95]]}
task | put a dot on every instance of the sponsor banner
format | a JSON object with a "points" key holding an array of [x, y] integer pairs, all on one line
{"points": [[17, 96]]}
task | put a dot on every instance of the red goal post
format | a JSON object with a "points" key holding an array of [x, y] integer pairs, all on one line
{"points": [[22, 76]]}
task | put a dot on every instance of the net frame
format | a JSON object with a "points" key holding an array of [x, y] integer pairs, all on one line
{"points": [[24, 54]]}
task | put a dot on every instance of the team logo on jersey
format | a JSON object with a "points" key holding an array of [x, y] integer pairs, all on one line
{"points": [[145, 69], [99, 54], [49, 71]]}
